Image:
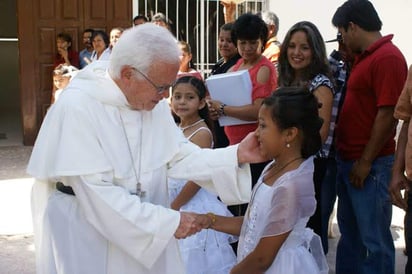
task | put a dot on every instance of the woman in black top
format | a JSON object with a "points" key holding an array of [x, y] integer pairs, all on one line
{"points": [[228, 51]]}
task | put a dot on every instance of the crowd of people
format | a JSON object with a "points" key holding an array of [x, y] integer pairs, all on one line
{"points": [[135, 174]]}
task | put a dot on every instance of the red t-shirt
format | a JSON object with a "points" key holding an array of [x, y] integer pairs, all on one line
{"points": [[236, 133], [376, 80]]}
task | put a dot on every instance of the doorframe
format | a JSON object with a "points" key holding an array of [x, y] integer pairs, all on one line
{"points": [[27, 72]]}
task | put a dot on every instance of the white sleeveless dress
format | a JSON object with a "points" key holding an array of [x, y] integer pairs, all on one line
{"points": [[209, 251], [285, 206]]}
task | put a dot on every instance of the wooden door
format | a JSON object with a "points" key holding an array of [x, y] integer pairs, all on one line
{"points": [[39, 22]]}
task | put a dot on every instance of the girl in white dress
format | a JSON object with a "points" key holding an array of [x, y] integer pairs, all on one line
{"points": [[208, 251], [273, 234]]}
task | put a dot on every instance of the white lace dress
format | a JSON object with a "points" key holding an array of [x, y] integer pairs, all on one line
{"points": [[209, 251], [285, 206]]}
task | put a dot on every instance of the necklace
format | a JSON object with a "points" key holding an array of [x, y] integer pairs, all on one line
{"points": [[280, 169], [139, 192], [191, 125]]}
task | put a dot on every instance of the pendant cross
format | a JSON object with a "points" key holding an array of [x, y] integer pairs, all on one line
{"points": [[139, 191]]}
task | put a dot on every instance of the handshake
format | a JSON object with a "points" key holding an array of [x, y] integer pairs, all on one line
{"points": [[191, 223]]}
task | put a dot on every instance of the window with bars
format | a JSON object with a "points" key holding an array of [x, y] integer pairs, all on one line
{"points": [[196, 22]]}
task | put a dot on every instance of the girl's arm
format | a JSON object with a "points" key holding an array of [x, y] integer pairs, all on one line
{"points": [[262, 257], [325, 97], [204, 140], [229, 225], [188, 191]]}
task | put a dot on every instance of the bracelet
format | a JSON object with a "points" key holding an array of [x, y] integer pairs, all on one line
{"points": [[222, 109], [212, 217]]}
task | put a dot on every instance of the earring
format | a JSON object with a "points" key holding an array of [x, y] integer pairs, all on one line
{"points": [[287, 145]]}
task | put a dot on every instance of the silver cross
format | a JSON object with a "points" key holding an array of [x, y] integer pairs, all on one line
{"points": [[139, 191]]}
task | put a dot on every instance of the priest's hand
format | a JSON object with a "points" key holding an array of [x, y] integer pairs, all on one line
{"points": [[187, 226], [249, 151]]}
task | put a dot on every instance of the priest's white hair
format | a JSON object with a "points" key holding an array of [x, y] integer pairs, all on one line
{"points": [[141, 46]]}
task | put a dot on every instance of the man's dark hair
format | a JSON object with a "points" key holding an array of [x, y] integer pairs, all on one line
{"points": [[88, 30], [359, 12], [140, 16]]}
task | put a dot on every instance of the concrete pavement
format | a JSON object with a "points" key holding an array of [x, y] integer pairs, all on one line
{"points": [[16, 239], [16, 232]]}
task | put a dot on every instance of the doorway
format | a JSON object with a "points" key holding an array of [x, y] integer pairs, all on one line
{"points": [[10, 119]]}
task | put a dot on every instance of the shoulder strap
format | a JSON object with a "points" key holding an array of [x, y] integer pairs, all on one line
{"points": [[199, 129]]}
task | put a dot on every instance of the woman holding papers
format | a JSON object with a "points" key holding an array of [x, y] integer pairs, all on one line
{"points": [[249, 33]]}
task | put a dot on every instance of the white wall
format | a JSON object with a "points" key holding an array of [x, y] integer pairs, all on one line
{"points": [[392, 13]]}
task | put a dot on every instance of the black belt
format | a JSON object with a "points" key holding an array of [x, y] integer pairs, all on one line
{"points": [[65, 189]]}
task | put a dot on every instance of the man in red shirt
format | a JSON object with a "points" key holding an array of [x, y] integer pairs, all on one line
{"points": [[365, 142]]}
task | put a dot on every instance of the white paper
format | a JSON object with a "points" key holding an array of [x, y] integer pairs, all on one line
{"points": [[232, 89]]}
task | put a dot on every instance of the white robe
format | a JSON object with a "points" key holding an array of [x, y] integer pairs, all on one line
{"points": [[104, 229]]}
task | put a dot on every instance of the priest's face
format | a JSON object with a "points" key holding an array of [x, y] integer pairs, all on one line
{"points": [[144, 90]]}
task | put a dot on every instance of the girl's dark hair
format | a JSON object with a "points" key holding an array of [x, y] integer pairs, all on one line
{"points": [[297, 107], [201, 91], [249, 26], [103, 34], [185, 46], [319, 63]]}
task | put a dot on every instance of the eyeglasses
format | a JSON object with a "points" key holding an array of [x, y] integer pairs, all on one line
{"points": [[159, 89]]}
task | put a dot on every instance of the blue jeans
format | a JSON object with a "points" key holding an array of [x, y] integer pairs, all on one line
{"points": [[364, 218], [328, 198]]}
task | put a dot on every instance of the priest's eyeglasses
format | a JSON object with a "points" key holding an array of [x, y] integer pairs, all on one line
{"points": [[159, 89]]}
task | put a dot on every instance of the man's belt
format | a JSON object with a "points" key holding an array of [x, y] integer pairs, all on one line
{"points": [[65, 189]]}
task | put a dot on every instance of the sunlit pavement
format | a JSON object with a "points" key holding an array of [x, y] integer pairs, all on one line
{"points": [[397, 234], [16, 239], [17, 252], [15, 206], [16, 231]]}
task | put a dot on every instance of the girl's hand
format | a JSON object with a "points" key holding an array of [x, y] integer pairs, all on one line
{"points": [[204, 221]]}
